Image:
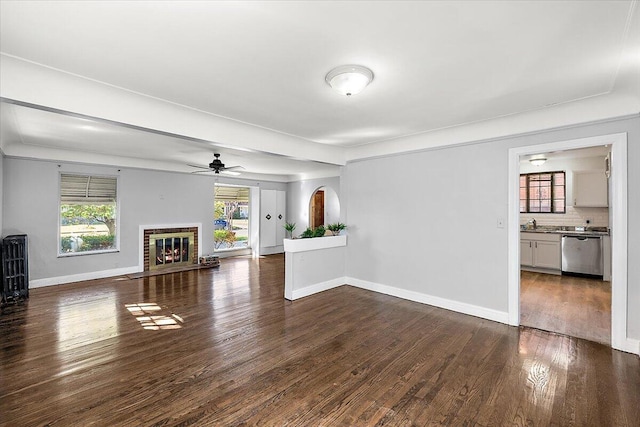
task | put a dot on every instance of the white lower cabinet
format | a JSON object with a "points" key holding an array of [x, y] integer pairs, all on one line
{"points": [[526, 252], [541, 251]]}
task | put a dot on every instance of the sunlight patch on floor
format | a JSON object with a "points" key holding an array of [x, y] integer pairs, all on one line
{"points": [[150, 318]]}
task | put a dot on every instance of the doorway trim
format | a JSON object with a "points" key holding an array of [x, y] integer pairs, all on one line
{"points": [[618, 220]]}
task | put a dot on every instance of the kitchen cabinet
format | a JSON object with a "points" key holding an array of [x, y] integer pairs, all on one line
{"points": [[272, 219], [590, 189], [542, 251], [526, 252]]}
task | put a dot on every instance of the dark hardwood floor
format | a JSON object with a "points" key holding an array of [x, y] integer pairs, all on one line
{"points": [[575, 306], [221, 347]]}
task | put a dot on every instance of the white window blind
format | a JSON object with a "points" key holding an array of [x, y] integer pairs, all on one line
{"points": [[87, 189], [231, 194]]}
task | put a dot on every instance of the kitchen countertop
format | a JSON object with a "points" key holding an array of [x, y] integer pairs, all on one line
{"points": [[569, 231]]}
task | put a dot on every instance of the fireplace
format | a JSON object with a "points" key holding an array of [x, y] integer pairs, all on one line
{"points": [[169, 247], [170, 250]]}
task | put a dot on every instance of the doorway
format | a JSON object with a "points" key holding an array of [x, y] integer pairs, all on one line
{"points": [[618, 212], [555, 200], [231, 218], [317, 209]]}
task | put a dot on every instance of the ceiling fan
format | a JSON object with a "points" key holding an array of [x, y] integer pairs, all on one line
{"points": [[216, 166]]}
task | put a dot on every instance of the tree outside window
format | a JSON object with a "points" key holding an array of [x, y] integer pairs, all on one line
{"points": [[88, 214], [231, 217]]}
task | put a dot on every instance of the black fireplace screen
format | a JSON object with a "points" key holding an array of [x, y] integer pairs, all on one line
{"points": [[172, 250]]}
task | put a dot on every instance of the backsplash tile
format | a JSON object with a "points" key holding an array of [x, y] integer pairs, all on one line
{"points": [[598, 217]]}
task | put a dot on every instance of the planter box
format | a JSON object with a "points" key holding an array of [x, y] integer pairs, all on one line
{"points": [[313, 265], [314, 243]]}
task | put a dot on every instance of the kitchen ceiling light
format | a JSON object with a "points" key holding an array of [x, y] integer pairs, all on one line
{"points": [[538, 162], [349, 79]]}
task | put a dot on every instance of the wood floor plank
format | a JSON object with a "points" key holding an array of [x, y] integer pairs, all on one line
{"points": [[575, 306], [239, 354]]}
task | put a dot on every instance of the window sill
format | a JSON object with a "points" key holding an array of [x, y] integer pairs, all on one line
{"points": [[83, 253]]}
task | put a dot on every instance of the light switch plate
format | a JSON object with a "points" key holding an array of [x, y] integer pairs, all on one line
{"points": [[500, 222]]}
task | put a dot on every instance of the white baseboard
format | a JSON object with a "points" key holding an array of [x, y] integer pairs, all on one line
{"points": [[459, 307], [232, 253], [50, 281], [631, 345], [318, 287], [272, 250]]}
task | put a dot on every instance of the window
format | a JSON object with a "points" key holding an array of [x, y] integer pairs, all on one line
{"points": [[88, 214], [231, 218], [542, 192]]}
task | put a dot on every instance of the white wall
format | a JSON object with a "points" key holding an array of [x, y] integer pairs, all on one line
{"points": [[314, 271], [331, 206], [299, 195], [574, 216], [145, 197], [411, 228]]}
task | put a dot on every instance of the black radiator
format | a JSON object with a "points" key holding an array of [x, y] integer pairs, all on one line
{"points": [[15, 269]]}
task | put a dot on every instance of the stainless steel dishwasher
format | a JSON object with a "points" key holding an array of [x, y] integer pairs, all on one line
{"points": [[582, 255]]}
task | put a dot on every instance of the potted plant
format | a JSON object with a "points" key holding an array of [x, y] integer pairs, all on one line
{"points": [[336, 228], [319, 232], [308, 233], [290, 226]]}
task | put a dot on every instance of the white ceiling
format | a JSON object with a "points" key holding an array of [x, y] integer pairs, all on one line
{"points": [[436, 65], [600, 151], [64, 137]]}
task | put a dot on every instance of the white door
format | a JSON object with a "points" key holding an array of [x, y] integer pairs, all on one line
{"points": [[268, 218], [281, 211]]}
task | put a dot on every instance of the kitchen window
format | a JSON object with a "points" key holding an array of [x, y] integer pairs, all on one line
{"points": [[543, 192]]}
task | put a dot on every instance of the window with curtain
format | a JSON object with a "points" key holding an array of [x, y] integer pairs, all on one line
{"points": [[88, 214], [543, 192]]}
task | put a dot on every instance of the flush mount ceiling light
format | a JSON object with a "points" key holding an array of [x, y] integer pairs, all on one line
{"points": [[539, 161], [349, 79]]}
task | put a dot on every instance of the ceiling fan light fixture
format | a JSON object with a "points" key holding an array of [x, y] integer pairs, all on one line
{"points": [[349, 79], [538, 161], [217, 167]]}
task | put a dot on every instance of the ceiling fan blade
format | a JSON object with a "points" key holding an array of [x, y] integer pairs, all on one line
{"points": [[196, 166], [230, 173], [207, 171], [233, 167]]}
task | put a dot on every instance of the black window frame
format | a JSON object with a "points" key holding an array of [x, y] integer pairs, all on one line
{"points": [[554, 188]]}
